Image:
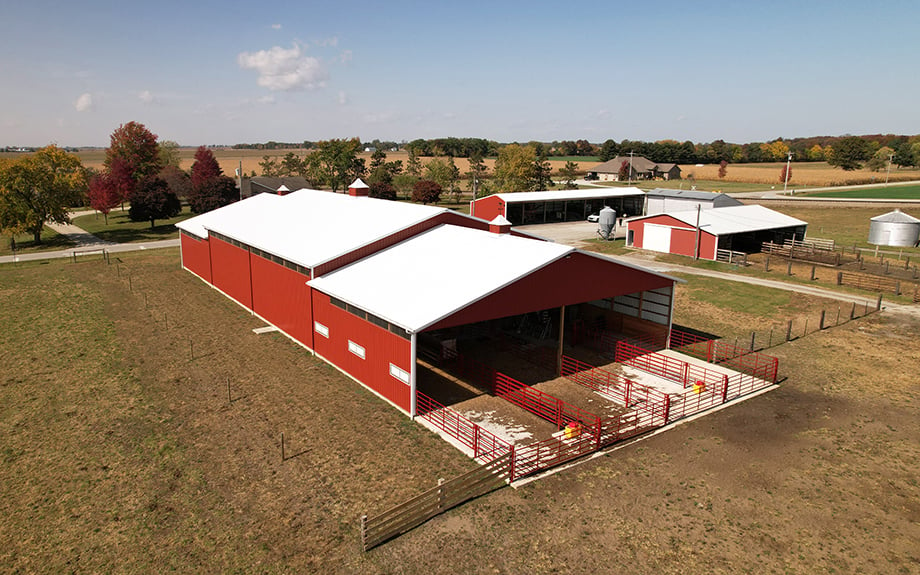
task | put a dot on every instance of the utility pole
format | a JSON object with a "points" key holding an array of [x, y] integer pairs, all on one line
{"points": [[888, 173], [629, 175], [696, 244], [239, 178], [786, 181]]}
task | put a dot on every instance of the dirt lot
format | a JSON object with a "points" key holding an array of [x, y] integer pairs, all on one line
{"points": [[121, 453]]}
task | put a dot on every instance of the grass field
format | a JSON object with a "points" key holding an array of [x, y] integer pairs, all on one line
{"points": [[804, 174], [909, 192], [51, 240], [121, 452], [120, 229]]}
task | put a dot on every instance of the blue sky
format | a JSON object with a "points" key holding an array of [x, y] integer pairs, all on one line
{"points": [[229, 72]]}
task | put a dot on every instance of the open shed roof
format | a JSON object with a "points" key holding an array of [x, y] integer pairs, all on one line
{"points": [[560, 195], [436, 273], [733, 219], [309, 227]]}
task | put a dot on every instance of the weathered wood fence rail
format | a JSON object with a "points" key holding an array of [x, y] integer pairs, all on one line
{"points": [[872, 283], [412, 513]]}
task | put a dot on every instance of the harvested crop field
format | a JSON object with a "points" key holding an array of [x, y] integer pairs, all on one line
{"points": [[121, 452]]}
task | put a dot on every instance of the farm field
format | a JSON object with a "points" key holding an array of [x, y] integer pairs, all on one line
{"points": [[846, 225], [804, 174], [908, 192], [122, 452]]}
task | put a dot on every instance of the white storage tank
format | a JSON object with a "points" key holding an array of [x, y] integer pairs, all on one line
{"points": [[607, 222], [894, 229]]}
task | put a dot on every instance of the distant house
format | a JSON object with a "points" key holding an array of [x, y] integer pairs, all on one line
{"points": [[271, 185], [663, 201], [642, 169]]}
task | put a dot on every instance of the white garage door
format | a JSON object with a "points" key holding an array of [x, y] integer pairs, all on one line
{"points": [[657, 238]]}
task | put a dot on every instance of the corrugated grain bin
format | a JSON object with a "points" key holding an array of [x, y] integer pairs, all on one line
{"points": [[894, 229]]}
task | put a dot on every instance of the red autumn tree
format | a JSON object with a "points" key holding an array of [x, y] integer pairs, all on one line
{"points": [[723, 168], [103, 194], [623, 173], [205, 167], [153, 200], [786, 174], [426, 192], [137, 147]]}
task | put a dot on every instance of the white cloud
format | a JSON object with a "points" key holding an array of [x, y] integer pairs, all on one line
{"points": [[276, 26], [333, 41], [146, 97], [266, 100], [285, 69], [84, 102], [342, 98], [345, 56]]}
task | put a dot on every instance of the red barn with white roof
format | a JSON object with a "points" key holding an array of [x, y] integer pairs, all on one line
{"points": [[359, 281]]}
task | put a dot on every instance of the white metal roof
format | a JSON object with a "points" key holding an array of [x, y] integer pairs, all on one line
{"points": [[558, 195], [897, 217], [430, 276], [309, 227], [256, 204], [734, 219]]}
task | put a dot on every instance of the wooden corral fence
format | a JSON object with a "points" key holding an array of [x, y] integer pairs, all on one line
{"points": [[730, 257], [803, 253], [870, 283], [447, 495]]}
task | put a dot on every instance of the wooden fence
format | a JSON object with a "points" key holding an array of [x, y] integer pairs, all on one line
{"points": [[447, 495], [871, 283], [730, 257]]}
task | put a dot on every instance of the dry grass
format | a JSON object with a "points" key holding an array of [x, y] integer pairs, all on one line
{"points": [[812, 174]]}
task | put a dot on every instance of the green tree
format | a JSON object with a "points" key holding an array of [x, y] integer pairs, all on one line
{"points": [[569, 173], [477, 173], [413, 165], [39, 188], [608, 150], [169, 153], [335, 163], [848, 153], [541, 174], [270, 167], [879, 160], [514, 168]]}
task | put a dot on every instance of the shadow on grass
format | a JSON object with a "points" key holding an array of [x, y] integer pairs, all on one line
{"points": [[120, 229], [128, 235], [51, 241]]}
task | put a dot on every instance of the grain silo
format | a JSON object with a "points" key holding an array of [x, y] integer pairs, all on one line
{"points": [[894, 229]]}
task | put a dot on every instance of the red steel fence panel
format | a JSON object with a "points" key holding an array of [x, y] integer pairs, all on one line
{"points": [[753, 363], [685, 373], [485, 444]]}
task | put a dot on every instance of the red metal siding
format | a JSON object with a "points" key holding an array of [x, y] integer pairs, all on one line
{"points": [[281, 296], [381, 349], [574, 279], [489, 207], [196, 257], [638, 226], [683, 243], [230, 270]]}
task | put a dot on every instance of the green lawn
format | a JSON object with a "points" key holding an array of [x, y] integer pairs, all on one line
{"points": [[701, 185], [911, 192], [122, 230], [51, 240]]}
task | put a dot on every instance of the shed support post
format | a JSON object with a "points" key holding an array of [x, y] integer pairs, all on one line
{"points": [[413, 371], [561, 335]]}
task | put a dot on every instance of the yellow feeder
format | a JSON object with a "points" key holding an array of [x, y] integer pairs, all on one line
{"points": [[699, 387]]}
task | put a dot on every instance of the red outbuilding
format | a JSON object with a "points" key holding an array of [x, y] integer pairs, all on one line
{"points": [[366, 283], [703, 232]]}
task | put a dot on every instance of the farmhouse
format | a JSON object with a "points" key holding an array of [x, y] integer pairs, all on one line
{"points": [[525, 208], [368, 285], [662, 201], [704, 232], [642, 169]]}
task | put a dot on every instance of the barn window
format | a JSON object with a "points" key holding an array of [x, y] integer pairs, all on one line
{"points": [[338, 303], [356, 311], [378, 321], [356, 349], [321, 329], [400, 374]]}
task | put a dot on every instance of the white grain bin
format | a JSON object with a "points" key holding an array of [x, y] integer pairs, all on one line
{"points": [[607, 222], [894, 229]]}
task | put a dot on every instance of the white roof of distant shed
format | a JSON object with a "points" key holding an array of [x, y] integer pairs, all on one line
{"points": [[734, 219], [560, 195], [435, 274], [309, 227]]}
